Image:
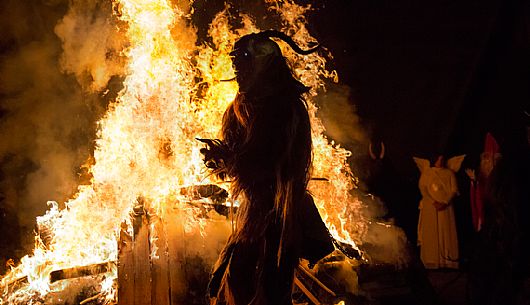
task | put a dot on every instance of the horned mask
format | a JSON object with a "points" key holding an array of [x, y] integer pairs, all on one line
{"points": [[258, 60]]}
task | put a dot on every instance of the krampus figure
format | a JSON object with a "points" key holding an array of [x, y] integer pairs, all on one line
{"points": [[265, 152]]}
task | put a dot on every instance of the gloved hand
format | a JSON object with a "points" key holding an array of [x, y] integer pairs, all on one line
{"points": [[215, 155]]}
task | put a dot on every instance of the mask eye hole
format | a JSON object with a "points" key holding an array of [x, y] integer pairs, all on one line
{"points": [[240, 54]]}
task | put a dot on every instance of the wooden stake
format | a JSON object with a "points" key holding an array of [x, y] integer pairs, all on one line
{"points": [[175, 235], [142, 264], [160, 264], [125, 269]]}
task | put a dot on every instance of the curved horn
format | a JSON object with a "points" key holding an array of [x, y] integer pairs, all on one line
{"points": [[288, 40], [382, 153], [371, 152], [228, 80]]}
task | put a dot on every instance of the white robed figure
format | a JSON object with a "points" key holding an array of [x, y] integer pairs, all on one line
{"points": [[437, 236]]}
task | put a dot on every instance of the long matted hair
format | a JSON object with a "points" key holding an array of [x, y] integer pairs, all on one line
{"points": [[265, 152]]}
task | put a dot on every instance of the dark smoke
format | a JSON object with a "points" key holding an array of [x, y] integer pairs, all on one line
{"points": [[56, 59]]}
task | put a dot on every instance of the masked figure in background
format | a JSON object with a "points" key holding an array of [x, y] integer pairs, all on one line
{"points": [[480, 182], [265, 152], [437, 235]]}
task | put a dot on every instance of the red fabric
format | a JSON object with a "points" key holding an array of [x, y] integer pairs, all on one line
{"points": [[477, 211], [490, 144], [478, 187]]}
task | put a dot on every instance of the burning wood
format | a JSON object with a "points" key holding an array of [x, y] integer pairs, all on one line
{"points": [[146, 148], [152, 267], [306, 291], [215, 193], [69, 273], [313, 289], [90, 299], [210, 196], [303, 269], [164, 278]]}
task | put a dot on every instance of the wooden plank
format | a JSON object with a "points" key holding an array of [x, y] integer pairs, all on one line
{"points": [[142, 264], [303, 269], [159, 264], [306, 291], [125, 269], [175, 235], [80, 271]]}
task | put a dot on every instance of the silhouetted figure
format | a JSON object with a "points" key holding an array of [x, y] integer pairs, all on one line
{"points": [[265, 152], [499, 262], [480, 181], [375, 178]]}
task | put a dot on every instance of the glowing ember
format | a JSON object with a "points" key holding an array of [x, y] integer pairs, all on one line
{"points": [[146, 148]]}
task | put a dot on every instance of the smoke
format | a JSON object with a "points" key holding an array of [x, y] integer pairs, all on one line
{"points": [[383, 242], [47, 118], [344, 126], [339, 116], [91, 43]]}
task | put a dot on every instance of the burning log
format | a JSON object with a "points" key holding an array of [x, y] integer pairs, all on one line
{"points": [[12, 285], [69, 273], [62, 274]]}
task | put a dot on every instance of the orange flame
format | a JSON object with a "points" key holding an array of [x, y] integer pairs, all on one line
{"points": [[146, 148]]}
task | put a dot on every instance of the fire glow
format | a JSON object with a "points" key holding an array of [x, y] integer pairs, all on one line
{"points": [[146, 149]]}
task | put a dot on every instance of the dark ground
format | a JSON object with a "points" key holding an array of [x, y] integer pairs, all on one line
{"points": [[451, 287], [442, 287]]}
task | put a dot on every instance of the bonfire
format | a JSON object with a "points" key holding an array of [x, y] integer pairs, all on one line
{"points": [[150, 223]]}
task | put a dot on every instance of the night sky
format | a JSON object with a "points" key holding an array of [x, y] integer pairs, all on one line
{"points": [[431, 78]]}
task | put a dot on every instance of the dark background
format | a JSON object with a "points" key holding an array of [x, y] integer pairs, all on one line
{"points": [[431, 78]]}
